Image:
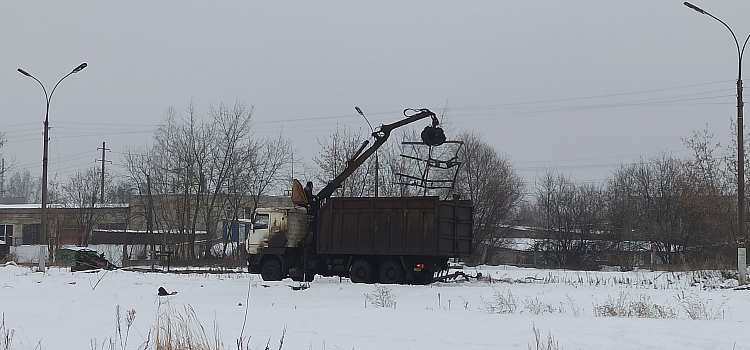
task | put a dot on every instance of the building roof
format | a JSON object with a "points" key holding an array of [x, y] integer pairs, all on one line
{"points": [[58, 206]]}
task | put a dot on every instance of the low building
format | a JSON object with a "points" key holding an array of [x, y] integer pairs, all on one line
{"points": [[20, 224]]}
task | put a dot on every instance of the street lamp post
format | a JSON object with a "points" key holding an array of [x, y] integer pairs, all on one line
{"points": [[740, 147], [48, 98]]}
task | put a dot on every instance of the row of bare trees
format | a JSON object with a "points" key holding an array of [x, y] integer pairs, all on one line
{"points": [[202, 170], [682, 210]]}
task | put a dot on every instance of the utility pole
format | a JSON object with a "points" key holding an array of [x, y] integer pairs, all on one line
{"points": [[2, 180], [103, 160], [741, 225], [150, 219]]}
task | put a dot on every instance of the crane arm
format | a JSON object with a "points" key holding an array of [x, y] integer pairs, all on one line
{"points": [[381, 136]]}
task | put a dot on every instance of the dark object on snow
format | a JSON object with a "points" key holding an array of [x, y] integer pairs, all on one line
{"points": [[163, 292], [87, 259], [300, 287], [455, 276]]}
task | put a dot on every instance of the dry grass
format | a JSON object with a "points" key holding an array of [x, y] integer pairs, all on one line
{"points": [[640, 306], [111, 343], [697, 308], [6, 335], [176, 330], [550, 344], [502, 303]]}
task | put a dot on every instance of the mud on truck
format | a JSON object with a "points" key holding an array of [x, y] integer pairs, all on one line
{"points": [[391, 240]]}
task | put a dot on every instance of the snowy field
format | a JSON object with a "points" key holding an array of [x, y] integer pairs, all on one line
{"points": [[657, 310]]}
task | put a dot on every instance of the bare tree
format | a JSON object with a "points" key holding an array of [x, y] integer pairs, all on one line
{"points": [[198, 169], [621, 214], [22, 185], [81, 193], [654, 188], [170, 172], [555, 202], [491, 183], [709, 202], [392, 163], [119, 191], [336, 150], [573, 214]]}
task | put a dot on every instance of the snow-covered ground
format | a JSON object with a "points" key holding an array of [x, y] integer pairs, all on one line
{"points": [[67, 310]]}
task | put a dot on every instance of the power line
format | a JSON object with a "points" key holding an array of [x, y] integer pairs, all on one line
{"points": [[600, 158], [607, 95], [691, 98]]}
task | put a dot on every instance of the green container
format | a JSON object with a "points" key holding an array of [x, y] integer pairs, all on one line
{"points": [[67, 257]]}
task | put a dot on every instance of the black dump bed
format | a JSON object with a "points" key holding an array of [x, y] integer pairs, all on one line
{"points": [[423, 226]]}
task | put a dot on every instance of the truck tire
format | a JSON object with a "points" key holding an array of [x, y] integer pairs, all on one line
{"points": [[271, 270], [391, 272], [361, 272]]}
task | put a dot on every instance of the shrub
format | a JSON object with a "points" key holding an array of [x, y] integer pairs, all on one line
{"points": [[537, 307], [502, 303], [699, 309], [641, 307], [381, 297]]}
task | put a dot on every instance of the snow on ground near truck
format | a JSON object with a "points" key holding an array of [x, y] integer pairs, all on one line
{"points": [[67, 310]]}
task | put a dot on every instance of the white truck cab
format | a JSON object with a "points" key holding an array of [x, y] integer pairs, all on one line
{"points": [[276, 228]]}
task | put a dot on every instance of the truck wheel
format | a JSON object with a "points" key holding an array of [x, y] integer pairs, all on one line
{"points": [[361, 272], [271, 270], [391, 272]]}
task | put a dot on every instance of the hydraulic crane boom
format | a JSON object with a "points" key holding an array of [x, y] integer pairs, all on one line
{"points": [[432, 135]]}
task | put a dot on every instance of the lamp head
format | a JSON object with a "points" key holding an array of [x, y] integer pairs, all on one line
{"points": [[694, 7], [24, 72], [80, 67]]}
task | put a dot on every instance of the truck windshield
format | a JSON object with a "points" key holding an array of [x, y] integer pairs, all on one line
{"points": [[260, 221]]}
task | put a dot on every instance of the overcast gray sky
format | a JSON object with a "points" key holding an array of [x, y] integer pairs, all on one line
{"points": [[580, 85]]}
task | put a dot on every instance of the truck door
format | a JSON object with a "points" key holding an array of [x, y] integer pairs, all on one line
{"points": [[258, 235]]}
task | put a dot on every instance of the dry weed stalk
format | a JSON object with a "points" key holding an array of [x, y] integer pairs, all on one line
{"points": [[6, 335], [550, 344]]}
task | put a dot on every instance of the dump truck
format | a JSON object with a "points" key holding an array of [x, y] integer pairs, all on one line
{"points": [[390, 240]]}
